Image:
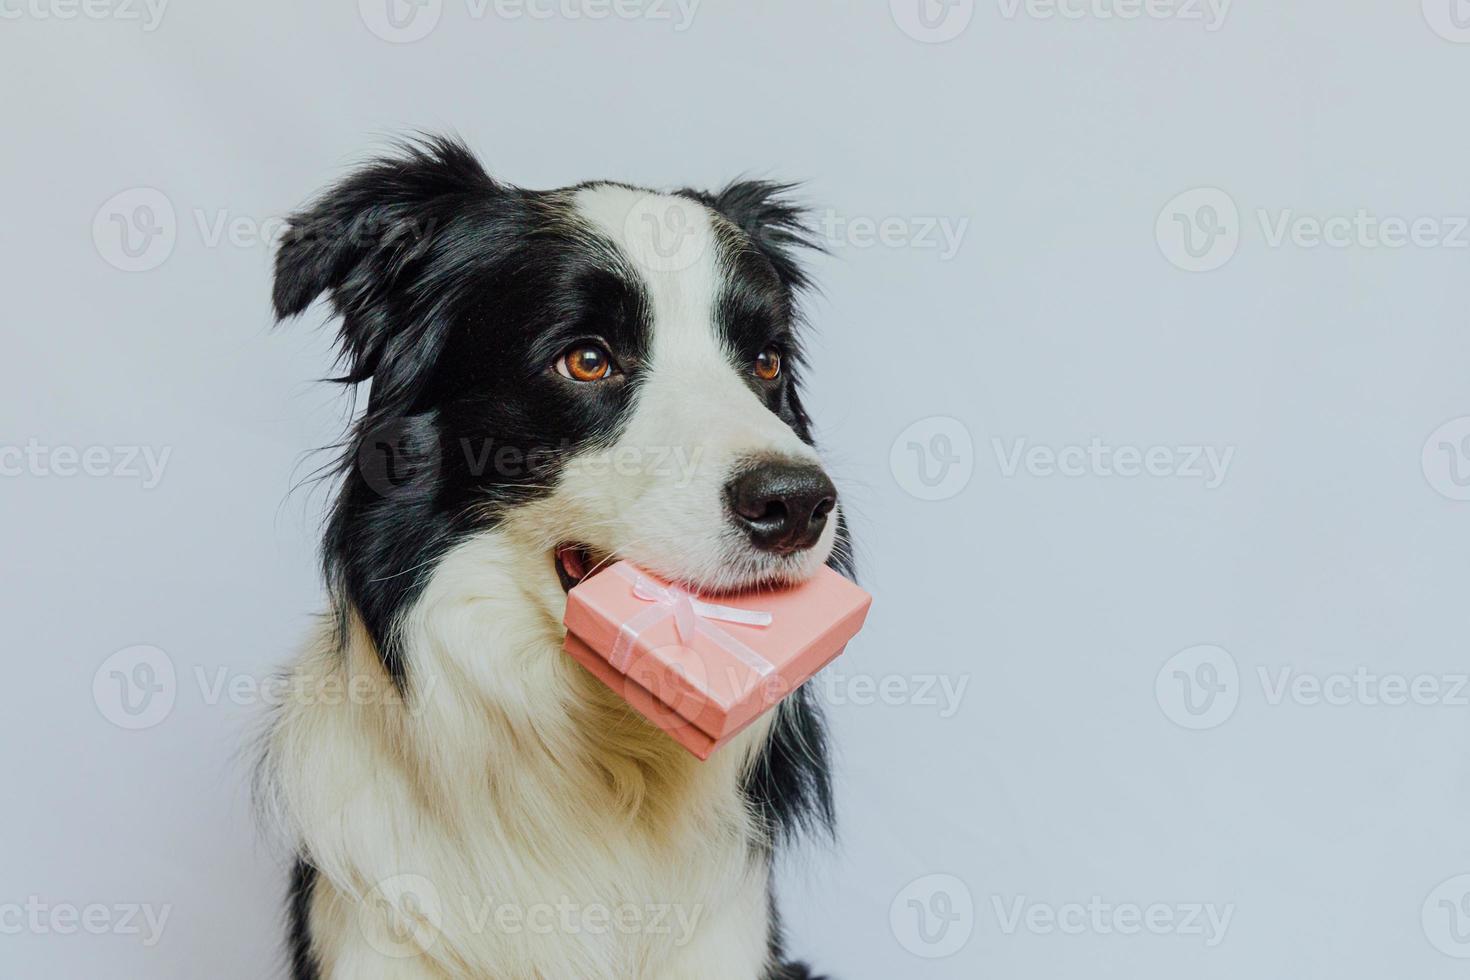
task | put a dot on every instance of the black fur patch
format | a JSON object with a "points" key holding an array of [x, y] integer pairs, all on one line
{"points": [[303, 960], [455, 293]]}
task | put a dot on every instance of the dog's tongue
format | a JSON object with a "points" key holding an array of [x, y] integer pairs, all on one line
{"points": [[574, 560]]}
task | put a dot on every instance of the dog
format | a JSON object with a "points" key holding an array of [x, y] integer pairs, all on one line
{"points": [[556, 379]]}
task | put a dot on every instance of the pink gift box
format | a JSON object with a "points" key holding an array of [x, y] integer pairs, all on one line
{"points": [[704, 668]]}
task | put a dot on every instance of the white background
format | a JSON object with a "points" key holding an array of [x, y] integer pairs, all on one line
{"points": [[1072, 768]]}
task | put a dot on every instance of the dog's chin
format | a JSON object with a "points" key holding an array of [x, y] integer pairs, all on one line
{"points": [[577, 562]]}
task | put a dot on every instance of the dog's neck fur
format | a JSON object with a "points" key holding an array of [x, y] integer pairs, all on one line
{"points": [[472, 781]]}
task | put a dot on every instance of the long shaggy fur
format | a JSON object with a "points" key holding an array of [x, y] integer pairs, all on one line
{"points": [[452, 776]]}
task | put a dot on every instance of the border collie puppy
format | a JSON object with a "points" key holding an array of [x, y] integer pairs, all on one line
{"points": [[557, 379]]}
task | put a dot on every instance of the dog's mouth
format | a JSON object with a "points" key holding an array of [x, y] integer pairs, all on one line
{"points": [[577, 562]]}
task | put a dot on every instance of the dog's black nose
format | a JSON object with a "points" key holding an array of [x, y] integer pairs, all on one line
{"points": [[783, 506]]}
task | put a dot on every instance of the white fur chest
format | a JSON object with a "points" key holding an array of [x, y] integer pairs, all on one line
{"points": [[511, 817]]}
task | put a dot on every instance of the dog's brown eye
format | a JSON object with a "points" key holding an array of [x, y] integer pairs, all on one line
{"points": [[768, 364], [585, 362]]}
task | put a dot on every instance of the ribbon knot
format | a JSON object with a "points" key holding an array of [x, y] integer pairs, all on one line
{"points": [[692, 616]]}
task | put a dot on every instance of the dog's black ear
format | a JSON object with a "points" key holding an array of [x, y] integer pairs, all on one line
{"points": [[363, 237], [775, 223]]}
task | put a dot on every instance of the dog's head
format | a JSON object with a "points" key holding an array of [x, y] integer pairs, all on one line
{"points": [[597, 372]]}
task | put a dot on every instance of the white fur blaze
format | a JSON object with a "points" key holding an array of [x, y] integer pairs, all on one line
{"points": [[657, 496]]}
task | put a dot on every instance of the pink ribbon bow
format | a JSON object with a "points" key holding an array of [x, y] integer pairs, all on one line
{"points": [[691, 616]]}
